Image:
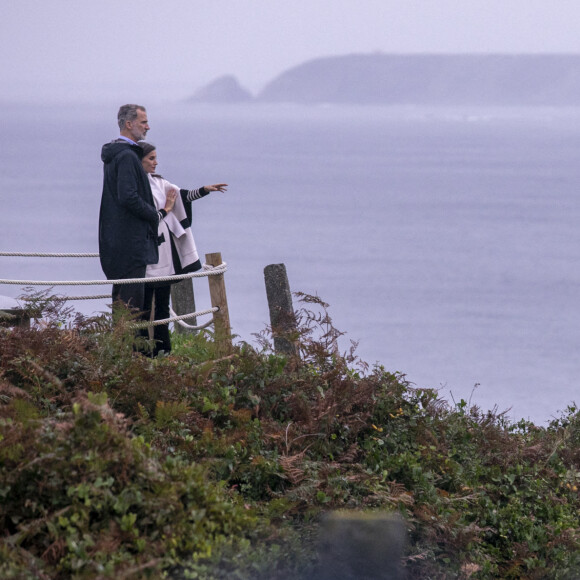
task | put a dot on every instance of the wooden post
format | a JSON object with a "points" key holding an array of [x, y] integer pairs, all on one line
{"points": [[282, 318], [183, 302], [150, 329], [217, 291]]}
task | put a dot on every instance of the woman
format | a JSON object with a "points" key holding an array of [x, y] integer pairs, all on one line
{"points": [[177, 251]]}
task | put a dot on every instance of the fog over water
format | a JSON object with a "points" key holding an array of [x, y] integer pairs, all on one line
{"points": [[445, 240]]}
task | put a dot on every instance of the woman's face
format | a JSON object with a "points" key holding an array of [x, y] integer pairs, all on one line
{"points": [[150, 162]]}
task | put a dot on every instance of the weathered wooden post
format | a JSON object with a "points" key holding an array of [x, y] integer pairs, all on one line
{"points": [[150, 329], [183, 302], [282, 317], [217, 291]]}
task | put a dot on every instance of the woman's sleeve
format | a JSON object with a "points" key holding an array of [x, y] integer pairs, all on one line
{"points": [[189, 195]]}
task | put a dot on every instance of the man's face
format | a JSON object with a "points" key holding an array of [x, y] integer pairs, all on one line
{"points": [[139, 127]]}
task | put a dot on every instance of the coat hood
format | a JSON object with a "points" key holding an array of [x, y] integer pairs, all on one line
{"points": [[114, 148]]}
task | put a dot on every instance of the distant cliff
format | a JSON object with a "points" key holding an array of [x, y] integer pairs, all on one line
{"points": [[431, 79], [493, 79], [224, 89]]}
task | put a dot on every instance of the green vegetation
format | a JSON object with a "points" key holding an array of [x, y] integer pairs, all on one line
{"points": [[114, 465]]}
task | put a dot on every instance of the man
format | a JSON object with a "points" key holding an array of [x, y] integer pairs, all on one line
{"points": [[128, 219]]}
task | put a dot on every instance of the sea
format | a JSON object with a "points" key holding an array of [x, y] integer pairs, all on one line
{"points": [[446, 241]]}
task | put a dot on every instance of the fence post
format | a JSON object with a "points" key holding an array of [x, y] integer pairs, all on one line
{"points": [[217, 292], [183, 302], [282, 318]]}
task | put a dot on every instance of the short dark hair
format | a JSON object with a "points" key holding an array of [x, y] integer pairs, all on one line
{"points": [[128, 113], [147, 147]]}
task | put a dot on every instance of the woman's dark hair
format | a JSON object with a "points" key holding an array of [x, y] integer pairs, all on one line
{"points": [[147, 147]]}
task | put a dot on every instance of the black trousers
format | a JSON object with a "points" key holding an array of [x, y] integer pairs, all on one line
{"points": [[132, 295], [162, 295]]}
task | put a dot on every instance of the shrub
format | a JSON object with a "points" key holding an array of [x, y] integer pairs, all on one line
{"points": [[81, 498], [116, 465]]}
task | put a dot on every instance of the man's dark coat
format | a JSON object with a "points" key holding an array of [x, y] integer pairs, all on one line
{"points": [[128, 219]]}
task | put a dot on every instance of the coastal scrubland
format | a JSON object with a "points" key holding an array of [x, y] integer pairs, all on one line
{"points": [[205, 465]]}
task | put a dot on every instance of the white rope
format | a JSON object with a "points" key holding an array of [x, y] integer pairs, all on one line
{"points": [[207, 271], [95, 297], [190, 326], [176, 318], [47, 255]]}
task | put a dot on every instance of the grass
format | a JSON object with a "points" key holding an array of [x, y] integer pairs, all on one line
{"points": [[113, 465]]}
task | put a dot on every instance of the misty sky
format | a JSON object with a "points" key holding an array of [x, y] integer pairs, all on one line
{"points": [[72, 49]]}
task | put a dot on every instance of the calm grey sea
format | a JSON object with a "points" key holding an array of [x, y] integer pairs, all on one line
{"points": [[445, 241]]}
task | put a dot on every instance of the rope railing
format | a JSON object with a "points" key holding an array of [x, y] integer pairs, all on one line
{"points": [[176, 318], [93, 297], [179, 320], [47, 255], [207, 270]]}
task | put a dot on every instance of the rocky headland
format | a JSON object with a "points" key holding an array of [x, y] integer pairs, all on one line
{"points": [[421, 79]]}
